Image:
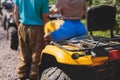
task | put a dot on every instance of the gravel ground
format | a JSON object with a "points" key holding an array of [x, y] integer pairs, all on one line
{"points": [[8, 58]]}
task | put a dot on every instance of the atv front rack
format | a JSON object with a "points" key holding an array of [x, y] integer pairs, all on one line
{"points": [[88, 46]]}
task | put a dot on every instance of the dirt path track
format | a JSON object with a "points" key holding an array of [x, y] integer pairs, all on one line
{"points": [[8, 58]]}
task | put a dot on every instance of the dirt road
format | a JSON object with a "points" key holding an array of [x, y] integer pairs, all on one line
{"points": [[8, 58]]}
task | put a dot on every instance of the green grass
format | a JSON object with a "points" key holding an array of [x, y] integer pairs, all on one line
{"points": [[102, 33]]}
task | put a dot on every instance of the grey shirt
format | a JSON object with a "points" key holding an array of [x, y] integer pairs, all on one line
{"points": [[71, 9]]}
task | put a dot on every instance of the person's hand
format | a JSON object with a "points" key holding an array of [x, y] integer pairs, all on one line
{"points": [[47, 38], [53, 10]]}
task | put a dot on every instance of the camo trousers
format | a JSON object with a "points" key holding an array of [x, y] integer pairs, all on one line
{"points": [[31, 43]]}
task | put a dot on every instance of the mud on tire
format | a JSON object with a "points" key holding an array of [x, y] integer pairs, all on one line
{"points": [[54, 73], [13, 38]]}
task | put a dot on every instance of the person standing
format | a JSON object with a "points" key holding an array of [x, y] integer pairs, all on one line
{"points": [[71, 12], [30, 17]]}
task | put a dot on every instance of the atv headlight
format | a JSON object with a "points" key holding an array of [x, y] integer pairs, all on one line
{"points": [[77, 55]]}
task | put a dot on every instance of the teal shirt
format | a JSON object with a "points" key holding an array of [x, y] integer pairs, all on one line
{"points": [[30, 11]]}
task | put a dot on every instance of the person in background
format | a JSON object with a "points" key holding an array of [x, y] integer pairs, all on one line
{"points": [[6, 4], [71, 12], [30, 17]]}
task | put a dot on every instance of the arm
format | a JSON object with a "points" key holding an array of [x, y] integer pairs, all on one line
{"points": [[16, 15], [47, 37], [45, 11], [45, 18], [54, 10]]}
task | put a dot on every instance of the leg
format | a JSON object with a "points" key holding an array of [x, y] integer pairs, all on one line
{"points": [[36, 41], [24, 53]]}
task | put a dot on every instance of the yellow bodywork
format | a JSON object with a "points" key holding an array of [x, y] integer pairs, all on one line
{"points": [[64, 56], [52, 25]]}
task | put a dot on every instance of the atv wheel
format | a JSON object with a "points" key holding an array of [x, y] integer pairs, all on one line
{"points": [[13, 38], [54, 73]]}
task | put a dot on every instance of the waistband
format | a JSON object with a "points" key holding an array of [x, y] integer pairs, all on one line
{"points": [[30, 25], [68, 20], [73, 19]]}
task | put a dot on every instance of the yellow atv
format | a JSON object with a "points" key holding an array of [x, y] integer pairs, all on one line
{"points": [[80, 58]]}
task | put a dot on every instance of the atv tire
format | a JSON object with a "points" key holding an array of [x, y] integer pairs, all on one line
{"points": [[54, 73], [13, 38]]}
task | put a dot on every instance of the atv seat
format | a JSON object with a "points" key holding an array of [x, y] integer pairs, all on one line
{"points": [[101, 18]]}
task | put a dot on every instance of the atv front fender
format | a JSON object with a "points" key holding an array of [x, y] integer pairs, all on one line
{"points": [[64, 56]]}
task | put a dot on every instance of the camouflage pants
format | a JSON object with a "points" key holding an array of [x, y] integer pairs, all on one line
{"points": [[31, 43]]}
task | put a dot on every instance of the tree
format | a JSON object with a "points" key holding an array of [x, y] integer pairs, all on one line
{"points": [[117, 4]]}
